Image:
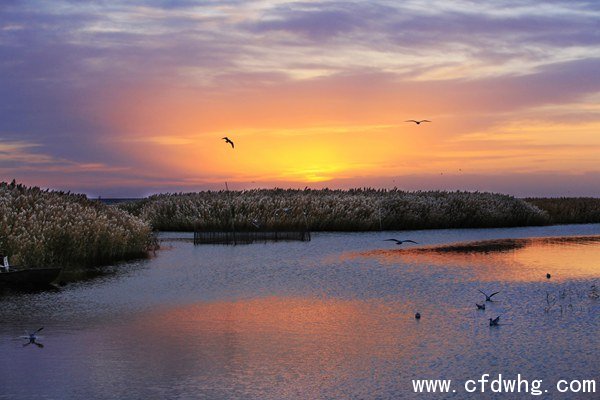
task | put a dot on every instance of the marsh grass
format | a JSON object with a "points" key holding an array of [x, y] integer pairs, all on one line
{"points": [[571, 299], [569, 210], [50, 228], [333, 210], [501, 245]]}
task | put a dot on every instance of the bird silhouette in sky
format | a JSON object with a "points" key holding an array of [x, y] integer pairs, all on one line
{"points": [[418, 122], [227, 140], [400, 241]]}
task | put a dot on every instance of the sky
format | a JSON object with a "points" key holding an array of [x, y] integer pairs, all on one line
{"points": [[126, 99]]}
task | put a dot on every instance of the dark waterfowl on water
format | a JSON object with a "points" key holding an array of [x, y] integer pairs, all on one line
{"points": [[548, 276], [494, 322], [417, 316], [480, 306]]}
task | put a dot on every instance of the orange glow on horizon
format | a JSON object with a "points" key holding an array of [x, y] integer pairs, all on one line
{"points": [[320, 135], [572, 258]]}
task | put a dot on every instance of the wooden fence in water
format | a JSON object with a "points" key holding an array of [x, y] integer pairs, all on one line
{"points": [[203, 237]]}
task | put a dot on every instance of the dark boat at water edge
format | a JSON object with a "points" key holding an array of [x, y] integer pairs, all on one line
{"points": [[20, 277]]}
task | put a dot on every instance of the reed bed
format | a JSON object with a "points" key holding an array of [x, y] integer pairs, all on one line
{"points": [[50, 228], [333, 210], [569, 210]]}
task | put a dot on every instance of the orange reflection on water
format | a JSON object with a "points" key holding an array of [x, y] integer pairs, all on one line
{"points": [[522, 260], [292, 346], [348, 321]]}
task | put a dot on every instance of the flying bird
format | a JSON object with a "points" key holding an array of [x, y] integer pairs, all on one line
{"points": [[33, 337], [494, 322], [418, 122], [227, 140], [488, 298], [480, 306], [399, 242]]}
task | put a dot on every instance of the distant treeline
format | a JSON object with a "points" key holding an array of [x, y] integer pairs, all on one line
{"points": [[569, 210], [333, 210], [50, 228]]}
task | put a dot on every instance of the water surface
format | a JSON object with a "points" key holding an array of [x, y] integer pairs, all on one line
{"points": [[331, 318]]}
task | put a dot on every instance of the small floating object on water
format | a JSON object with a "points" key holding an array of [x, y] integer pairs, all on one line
{"points": [[488, 298], [594, 293], [548, 276], [494, 322], [417, 316], [480, 306]]}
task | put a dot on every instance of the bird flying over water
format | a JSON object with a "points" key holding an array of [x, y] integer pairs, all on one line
{"points": [[227, 140], [488, 298], [418, 122], [494, 322], [32, 337], [398, 242]]}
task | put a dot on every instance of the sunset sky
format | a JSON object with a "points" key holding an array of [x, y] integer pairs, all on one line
{"points": [[124, 99]]}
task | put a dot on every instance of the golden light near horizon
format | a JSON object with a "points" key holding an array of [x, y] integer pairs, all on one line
{"points": [[316, 95], [310, 154]]}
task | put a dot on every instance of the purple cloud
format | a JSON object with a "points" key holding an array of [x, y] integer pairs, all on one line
{"points": [[64, 65]]}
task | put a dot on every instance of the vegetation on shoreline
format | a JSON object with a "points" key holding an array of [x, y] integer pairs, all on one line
{"points": [[569, 210], [333, 210], [500, 245], [50, 228]]}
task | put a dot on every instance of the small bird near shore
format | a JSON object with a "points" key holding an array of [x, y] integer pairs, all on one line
{"points": [[488, 298], [494, 322], [227, 140], [594, 294], [548, 276], [480, 306], [399, 242], [418, 122], [417, 316]]}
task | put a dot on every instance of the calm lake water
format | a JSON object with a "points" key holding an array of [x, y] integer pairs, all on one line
{"points": [[330, 318]]}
